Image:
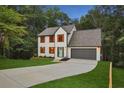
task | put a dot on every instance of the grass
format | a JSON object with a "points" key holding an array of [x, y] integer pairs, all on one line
{"points": [[97, 78], [16, 63], [118, 77]]}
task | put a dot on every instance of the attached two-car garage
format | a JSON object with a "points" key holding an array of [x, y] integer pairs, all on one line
{"points": [[85, 44], [83, 53]]}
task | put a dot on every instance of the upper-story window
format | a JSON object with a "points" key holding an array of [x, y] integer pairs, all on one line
{"points": [[51, 38], [42, 39], [60, 38]]}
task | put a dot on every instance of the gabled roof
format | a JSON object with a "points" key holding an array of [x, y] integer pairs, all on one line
{"points": [[86, 38], [49, 31], [68, 28], [52, 30]]}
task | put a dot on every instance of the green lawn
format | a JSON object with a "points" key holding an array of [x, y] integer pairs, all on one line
{"points": [[97, 78], [118, 77], [15, 63]]}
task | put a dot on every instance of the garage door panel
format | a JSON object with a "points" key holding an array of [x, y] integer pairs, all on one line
{"points": [[83, 53]]}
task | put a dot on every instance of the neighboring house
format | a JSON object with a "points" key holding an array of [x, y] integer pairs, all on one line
{"points": [[66, 41]]}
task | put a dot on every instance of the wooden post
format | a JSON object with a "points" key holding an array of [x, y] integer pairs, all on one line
{"points": [[110, 75]]}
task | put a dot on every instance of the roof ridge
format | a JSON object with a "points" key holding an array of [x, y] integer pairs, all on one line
{"points": [[52, 27], [52, 30], [89, 29], [60, 26], [69, 25]]}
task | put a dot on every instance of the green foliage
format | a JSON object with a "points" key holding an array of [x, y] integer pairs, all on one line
{"points": [[2, 57], [12, 29], [55, 17], [11, 26], [9, 15], [121, 40]]}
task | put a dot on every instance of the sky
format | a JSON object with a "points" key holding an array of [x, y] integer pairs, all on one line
{"points": [[75, 11]]}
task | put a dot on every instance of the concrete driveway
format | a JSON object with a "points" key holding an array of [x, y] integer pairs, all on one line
{"points": [[28, 76]]}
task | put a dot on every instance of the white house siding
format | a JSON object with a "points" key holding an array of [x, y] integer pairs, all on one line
{"points": [[71, 33], [61, 44], [97, 51], [46, 44], [69, 52], [38, 46]]}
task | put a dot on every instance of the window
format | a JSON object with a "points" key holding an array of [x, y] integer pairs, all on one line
{"points": [[51, 50], [42, 39], [42, 49], [60, 38], [51, 38]]}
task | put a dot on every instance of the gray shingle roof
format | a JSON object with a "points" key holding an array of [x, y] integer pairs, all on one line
{"points": [[86, 38], [52, 30], [49, 31], [68, 28]]}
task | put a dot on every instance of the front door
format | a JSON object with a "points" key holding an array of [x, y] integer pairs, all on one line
{"points": [[60, 51]]}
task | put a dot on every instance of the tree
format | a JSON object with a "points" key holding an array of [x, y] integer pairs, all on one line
{"points": [[116, 21], [35, 23], [111, 20], [10, 27], [87, 22], [55, 17]]}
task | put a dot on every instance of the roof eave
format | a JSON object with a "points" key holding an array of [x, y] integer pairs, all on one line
{"points": [[86, 46]]}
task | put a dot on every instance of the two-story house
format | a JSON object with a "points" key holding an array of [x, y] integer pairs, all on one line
{"points": [[66, 41]]}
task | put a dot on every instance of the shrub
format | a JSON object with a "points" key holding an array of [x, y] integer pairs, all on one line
{"points": [[25, 54], [2, 57]]}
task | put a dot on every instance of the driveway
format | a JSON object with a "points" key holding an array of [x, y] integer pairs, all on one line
{"points": [[28, 76]]}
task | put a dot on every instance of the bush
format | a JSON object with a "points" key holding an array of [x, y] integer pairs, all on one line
{"points": [[120, 64], [21, 54], [122, 57], [121, 61], [2, 57]]}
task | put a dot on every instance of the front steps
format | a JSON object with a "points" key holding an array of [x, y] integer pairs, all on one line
{"points": [[56, 60]]}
